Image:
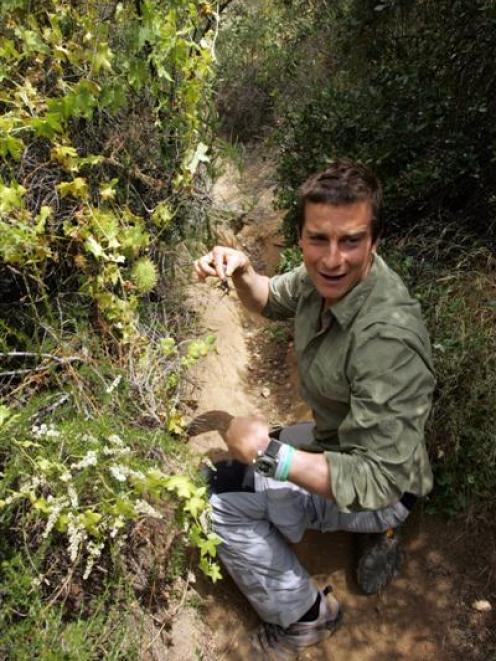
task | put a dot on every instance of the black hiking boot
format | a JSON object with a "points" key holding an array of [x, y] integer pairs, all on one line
{"points": [[380, 560], [273, 643]]}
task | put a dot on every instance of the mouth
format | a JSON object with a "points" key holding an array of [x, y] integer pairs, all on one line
{"points": [[332, 279]]}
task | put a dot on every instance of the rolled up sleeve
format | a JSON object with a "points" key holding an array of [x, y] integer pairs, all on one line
{"points": [[382, 444], [284, 294]]}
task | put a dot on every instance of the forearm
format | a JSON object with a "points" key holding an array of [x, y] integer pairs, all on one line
{"points": [[252, 288], [311, 471], [248, 437]]}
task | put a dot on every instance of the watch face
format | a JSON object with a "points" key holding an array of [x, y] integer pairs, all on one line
{"points": [[266, 463], [265, 466]]}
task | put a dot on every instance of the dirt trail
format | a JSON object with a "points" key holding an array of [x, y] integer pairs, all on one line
{"points": [[426, 613]]}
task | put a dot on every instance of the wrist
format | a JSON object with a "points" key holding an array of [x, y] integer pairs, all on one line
{"points": [[275, 461], [284, 461], [243, 274]]}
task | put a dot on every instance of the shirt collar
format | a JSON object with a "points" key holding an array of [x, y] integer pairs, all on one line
{"points": [[345, 310]]}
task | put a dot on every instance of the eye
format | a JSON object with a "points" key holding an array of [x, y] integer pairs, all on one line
{"points": [[352, 240]]}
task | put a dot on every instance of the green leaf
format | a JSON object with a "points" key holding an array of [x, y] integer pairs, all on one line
{"points": [[167, 345], [162, 215], [41, 505], [93, 247], [102, 58], [199, 156], [209, 545], [90, 520], [47, 126], [107, 189], [195, 505], [65, 155], [78, 187], [11, 197], [182, 485], [11, 146], [6, 416], [41, 218]]}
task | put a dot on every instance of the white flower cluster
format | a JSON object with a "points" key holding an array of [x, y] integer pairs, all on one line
{"points": [[118, 524], [113, 385], [116, 440], [116, 447], [121, 472], [89, 459], [58, 505], [94, 552], [142, 507], [77, 535], [44, 431]]}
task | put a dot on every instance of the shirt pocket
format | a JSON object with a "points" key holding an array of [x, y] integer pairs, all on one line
{"points": [[330, 397], [329, 383]]}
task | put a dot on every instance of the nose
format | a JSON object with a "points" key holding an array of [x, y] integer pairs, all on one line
{"points": [[333, 258]]}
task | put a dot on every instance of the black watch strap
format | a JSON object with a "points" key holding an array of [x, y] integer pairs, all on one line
{"points": [[273, 448]]}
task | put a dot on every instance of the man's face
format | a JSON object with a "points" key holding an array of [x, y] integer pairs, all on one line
{"points": [[337, 246]]}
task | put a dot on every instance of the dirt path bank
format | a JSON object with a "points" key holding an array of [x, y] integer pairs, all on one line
{"points": [[427, 612]]}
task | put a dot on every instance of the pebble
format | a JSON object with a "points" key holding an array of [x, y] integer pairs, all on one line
{"points": [[265, 392], [482, 605]]}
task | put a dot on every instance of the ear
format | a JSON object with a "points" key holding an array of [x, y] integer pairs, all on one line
{"points": [[300, 241]]}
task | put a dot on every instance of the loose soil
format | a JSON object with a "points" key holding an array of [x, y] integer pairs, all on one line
{"points": [[427, 612]]}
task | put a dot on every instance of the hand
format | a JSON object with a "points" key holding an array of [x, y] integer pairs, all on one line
{"points": [[221, 262], [245, 436]]}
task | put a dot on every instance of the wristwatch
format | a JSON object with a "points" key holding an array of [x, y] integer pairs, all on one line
{"points": [[266, 461]]}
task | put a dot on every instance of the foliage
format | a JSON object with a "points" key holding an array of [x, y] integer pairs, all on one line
{"points": [[100, 139], [454, 282], [71, 495], [35, 630], [104, 140], [410, 90], [261, 49]]}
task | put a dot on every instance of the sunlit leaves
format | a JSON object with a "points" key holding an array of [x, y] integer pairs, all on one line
{"points": [[102, 58], [66, 69], [78, 187], [199, 156], [11, 146], [162, 215], [107, 189], [11, 197], [65, 155]]}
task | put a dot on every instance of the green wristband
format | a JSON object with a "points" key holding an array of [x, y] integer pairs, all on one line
{"points": [[284, 463]]}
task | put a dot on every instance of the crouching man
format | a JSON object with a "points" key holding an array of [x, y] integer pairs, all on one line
{"points": [[365, 369]]}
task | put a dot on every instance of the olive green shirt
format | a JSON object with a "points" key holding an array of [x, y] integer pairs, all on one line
{"points": [[366, 372]]}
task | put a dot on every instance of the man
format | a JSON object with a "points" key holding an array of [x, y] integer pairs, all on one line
{"points": [[365, 370]]}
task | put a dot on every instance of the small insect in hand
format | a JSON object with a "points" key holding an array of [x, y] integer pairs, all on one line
{"points": [[224, 287]]}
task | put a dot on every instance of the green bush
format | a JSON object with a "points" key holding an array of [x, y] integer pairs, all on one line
{"points": [[410, 93], [452, 278]]}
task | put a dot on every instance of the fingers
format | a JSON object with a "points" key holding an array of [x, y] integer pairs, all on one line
{"points": [[204, 267], [219, 258], [220, 262]]}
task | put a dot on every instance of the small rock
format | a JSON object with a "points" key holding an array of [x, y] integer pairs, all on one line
{"points": [[482, 605], [265, 392]]}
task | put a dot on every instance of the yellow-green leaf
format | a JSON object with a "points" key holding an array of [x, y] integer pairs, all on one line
{"points": [[78, 187]]}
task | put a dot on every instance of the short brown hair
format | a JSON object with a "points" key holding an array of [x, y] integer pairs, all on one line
{"points": [[343, 182]]}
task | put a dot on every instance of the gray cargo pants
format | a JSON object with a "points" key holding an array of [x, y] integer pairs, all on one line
{"points": [[255, 528]]}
